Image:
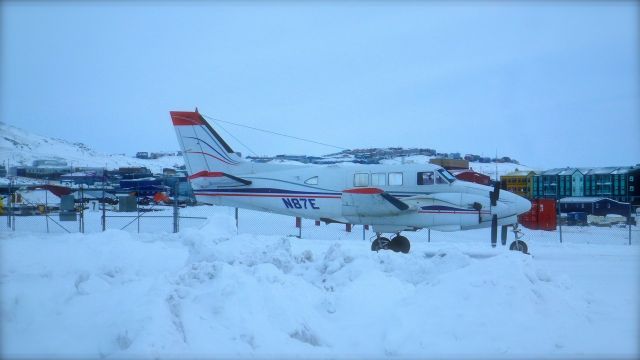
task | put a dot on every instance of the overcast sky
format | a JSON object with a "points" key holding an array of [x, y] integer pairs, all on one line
{"points": [[548, 83]]}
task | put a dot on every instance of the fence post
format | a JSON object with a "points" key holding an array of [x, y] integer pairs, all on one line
{"points": [[348, 227], [364, 228], [559, 220], [46, 207], [629, 222], [104, 202], [175, 209], [428, 235], [82, 209], [11, 221], [299, 226], [236, 221]]}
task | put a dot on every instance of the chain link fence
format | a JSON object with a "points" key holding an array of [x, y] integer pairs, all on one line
{"points": [[91, 214]]}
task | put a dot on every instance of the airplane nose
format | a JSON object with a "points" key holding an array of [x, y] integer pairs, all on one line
{"points": [[522, 205], [514, 204]]}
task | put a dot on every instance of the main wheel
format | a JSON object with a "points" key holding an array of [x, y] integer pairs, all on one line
{"points": [[400, 244], [519, 245], [381, 243]]}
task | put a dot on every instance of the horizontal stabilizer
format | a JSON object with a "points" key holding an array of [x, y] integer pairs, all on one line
{"points": [[395, 201], [222, 178]]}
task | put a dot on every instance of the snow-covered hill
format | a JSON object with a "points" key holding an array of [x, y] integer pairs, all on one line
{"points": [[20, 147]]}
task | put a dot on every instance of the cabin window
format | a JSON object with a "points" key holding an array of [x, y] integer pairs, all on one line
{"points": [[426, 178], [361, 179], [312, 181], [379, 179], [395, 178]]}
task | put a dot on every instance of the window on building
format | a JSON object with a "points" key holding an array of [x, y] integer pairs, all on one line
{"points": [[312, 181], [631, 188], [379, 179], [630, 178], [424, 178], [395, 178], [361, 179]]}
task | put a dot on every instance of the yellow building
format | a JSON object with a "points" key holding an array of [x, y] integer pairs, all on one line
{"points": [[518, 182]]}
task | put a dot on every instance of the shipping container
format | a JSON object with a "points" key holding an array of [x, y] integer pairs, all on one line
{"points": [[541, 216]]}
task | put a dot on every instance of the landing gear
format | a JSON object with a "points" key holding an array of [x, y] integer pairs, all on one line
{"points": [[399, 243], [518, 245], [380, 243]]}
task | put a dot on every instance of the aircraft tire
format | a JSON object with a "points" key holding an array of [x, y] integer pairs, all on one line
{"points": [[381, 243], [400, 244], [519, 245]]}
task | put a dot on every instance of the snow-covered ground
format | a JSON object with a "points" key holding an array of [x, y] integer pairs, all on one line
{"points": [[209, 292]]}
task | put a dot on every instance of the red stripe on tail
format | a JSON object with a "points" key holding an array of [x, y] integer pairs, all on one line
{"points": [[186, 118]]}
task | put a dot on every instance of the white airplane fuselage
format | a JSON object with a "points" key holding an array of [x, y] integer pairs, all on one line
{"points": [[391, 198]]}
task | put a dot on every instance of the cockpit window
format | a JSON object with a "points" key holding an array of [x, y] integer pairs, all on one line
{"points": [[447, 175], [312, 181], [440, 176]]}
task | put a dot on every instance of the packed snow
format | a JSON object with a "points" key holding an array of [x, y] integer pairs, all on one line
{"points": [[213, 291]]}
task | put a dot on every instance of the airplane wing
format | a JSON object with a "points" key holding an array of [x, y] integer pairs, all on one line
{"points": [[371, 202]]}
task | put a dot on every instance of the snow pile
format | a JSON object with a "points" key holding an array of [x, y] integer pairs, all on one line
{"points": [[210, 293]]}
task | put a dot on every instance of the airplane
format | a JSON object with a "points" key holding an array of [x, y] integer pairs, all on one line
{"points": [[390, 198]]}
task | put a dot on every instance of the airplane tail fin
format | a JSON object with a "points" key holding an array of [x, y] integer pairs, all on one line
{"points": [[203, 149]]}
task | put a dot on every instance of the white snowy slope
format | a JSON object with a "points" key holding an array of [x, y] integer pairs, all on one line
{"points": [[485, 168], [209, 293], [19, 147]]}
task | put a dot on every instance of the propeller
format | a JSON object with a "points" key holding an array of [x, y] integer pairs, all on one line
{"points": [[495, 194], [503, 234], [494, 230], [493, 197]]}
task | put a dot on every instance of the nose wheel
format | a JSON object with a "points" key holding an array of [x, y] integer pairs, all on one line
{"points": [[398, 243], [517, 244]]}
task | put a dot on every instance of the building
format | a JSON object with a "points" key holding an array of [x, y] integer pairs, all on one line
{"points": [[545, 185], [518, 182], [570, 183], [598, 206], [626, 184], [471, 176], [451, 164], [598, 182]]}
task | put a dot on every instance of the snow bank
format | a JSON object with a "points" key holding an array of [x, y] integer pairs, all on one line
{"points": [[211, 293]]}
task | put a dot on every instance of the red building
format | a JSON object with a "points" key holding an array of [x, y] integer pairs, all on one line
{"points": [[471, 176]]}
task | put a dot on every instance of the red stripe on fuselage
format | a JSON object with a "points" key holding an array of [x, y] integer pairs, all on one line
{"points": [[275, 195], [366, 191]]}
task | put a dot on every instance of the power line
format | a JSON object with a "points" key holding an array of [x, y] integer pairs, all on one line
{"points": [[238, 140], [274, 133]]}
